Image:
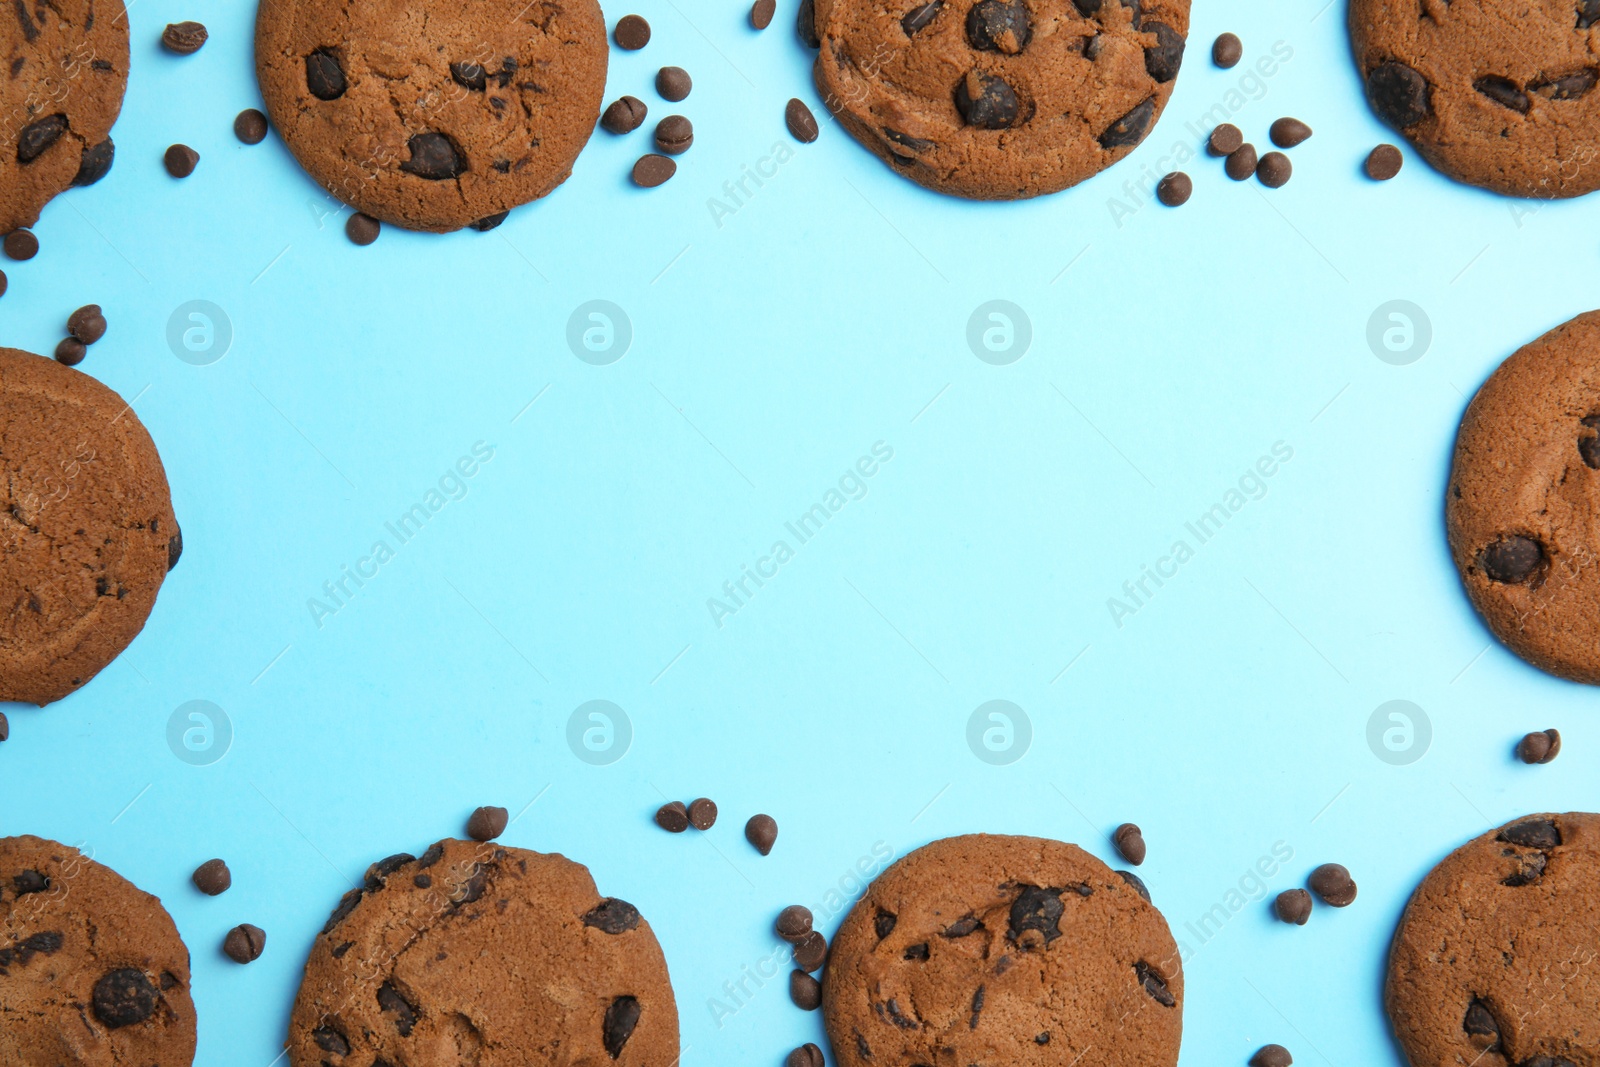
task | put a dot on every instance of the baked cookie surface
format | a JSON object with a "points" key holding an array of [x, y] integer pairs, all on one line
{"points": [[1523, 506], [999, 99], [486, 955], [1492, 962], [433, 116], [1003, 951], [66, 66], [92, 971], [1494, 93], [87, 533]]}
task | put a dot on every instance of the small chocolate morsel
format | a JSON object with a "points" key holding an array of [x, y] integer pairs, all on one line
{"points": [[487, 823], [250, 126], [801, 122], [674, 134], [1224, 140], [1293, 906], [434, 157], [810, 952], [673, 817], [632, 33], [1241, 162], [1226, 50], [362, 229], [70, 352], [181, 160], [652, 170], [1129, 842], [1383, 162], [794, 923], [807, 1055], [212, 877], [702, 813], [1175, 189], [673, 83], [1332, 882], [1286, 133], [1541, 746], [5, 724], [87, 324], [1274, 170], [805, 991], [184, 38], [1271, 1056], [1511, 560], [21, 245], [244, 943], [762, 833], [761, 13], [625, 115], [1399, 95]]}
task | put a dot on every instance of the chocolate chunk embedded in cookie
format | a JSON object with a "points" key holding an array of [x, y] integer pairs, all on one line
{"points": [[1003, 950]]}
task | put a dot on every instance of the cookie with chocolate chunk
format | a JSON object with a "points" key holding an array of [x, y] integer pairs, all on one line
{"points": [[66, 66], [92, 971], [1003, 951], [1494, 93], [433, 116], [479, 953], [1523, 507], [87, 533], [999, 99], [1492, 961]]}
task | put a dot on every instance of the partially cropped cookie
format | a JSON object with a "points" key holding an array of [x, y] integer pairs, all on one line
{"points": [[1492, 962], [433, 116], [1003, 951], [92, 971], [66, 66], [1523, 507], [481, 954], [87, 533], [1495, 93], [999, 99]]}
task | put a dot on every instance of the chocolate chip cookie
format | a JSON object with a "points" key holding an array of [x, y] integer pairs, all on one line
{"points": [[1493, 963], [487, 955], [87, 533], [999, 99], [92, 971], [1495, 93], [1003, 951], [433, 116], [66, 66], [1523, 507]]}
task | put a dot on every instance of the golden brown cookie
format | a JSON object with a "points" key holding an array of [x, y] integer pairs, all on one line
{"points": [[999, 99], [87, 533], [1495, 93], [433, 116], [1493, 963], [1523, 508], [485, 955], [92, 971], [1003, 950]]}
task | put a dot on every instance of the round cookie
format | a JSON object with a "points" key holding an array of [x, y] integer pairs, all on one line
{"points": [[433, 116], [1007, 951], [1491, 962], [92, 971], [66, 63], [1495, 93], [999, 99], [1523, 507], [87, 533], [488, 955]]}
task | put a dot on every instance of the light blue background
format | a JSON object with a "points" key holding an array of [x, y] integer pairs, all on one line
{"points": [[768, 354]]}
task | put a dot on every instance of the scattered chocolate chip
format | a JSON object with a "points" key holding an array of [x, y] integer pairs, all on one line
{"points": [[1588, 13], [612, 916], [30, 882], [999, 26], [918, 17], [761, 13], [1241, 162], [1271, 1056], [807, 1055], [362, 229], [762, 833], [487, 823], [181, 160], [674, 134], [632, 33], [625, 115], [123, 997], [962, 927], [70, 352], [1286, 133], [652, 170], [1226, 50], [1383, 162], [919, 952], [87, 324], [1502, 91], [470, 76], [801, 122], [1480, 1023], [244, 943], [810, 951], [985, 101], [1137, 883], [1332, 882], [1530, 868], [250, 126], [489, 222], [1274, 170], [1035, 916], [325, 75], [805, 24], [390, 1002], [5, 724], [212, 877], [794, 923], [673, 817], [623, 1014], [95, 163], [1568, 86], [184, 38], [1130, 128], [1511, 560], [805, 991], [1174, 189], [377, 875], [434, 157], [1129, 842], [330, 1040], [21, 244], [37, 137], [174, 550], [1532, 833], [673, 83], [1541, 746], [1154, 984], [1162, 60], [1293, 906], [1398, 94], [1224, 140]]}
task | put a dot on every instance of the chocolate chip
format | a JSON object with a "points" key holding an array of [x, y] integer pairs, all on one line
{"points": [[918, 17], [810, 951], [1129, 842], [184, 38], [808, 1055], [674, 135], [5, 724], [362, 229], [489, 222], [918, 952], [1398, 94], [422, 881], [1566, 87], [1036, 911], [1511, 560], [625, 115], [330, 1040], [1588, 13], [250, 126], [623, 1014], [673, 817], [1332, 882], [30, 882], [651, 171], [794, 923], [761, 13], [1502, 91], [87, 324], [347, 904], [762, 833], [244, 943], [612, 916], [212, 877], [1274, 170], [174, 549], [486, 823], [434, 157], [1137, 883], [962, 927], [1241, 162], [1532, 833], [976, 1008], [1480, 1023], [801, 122], [1530, 868], [1226, 50], [674, 83], [1541, 746], [1130, 128], [999, 26], [1162, 60], [180, 160], [1271, 1056], [391, 1002], [1383, 162], [1293, 906], [21, 244], [805, 24], [1224, 140], [1087, 8], [1154, 984], [377, 875], [123, 997], [95, 163], [325, 75], [986, 102], [632, 33], [805, 991], [1174, 189], [1286, 133], [70, 352]]}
